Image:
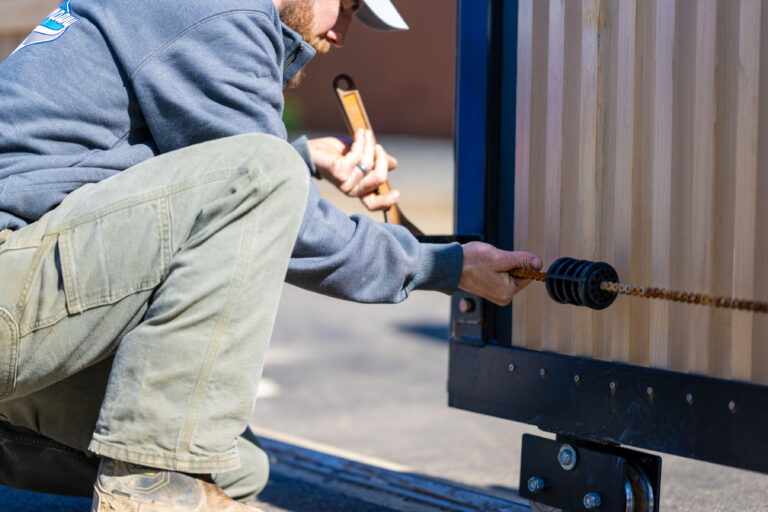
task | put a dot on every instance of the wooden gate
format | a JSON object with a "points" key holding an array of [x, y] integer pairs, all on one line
{"points": [[642, 141]]}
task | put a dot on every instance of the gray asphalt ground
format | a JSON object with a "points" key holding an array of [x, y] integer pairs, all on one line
{"points": [[368, 383]]}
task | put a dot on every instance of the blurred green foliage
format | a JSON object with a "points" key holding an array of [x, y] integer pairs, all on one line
{"points": [[293, 113]]}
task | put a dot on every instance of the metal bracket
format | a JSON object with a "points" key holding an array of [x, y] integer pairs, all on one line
{"points": [[574, 475], [467, 318]]}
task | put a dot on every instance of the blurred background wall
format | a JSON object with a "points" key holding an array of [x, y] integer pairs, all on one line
{"points": [[406, 77], [17, 18]]}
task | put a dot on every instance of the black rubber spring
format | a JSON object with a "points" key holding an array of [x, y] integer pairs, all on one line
{"points": [[577, 282]]}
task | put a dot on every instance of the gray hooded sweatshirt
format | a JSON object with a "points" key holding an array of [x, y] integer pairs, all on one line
{"points": [[101, 85]]}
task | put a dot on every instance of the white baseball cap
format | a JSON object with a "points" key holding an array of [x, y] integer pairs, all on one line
{"points": [[381, 15]]}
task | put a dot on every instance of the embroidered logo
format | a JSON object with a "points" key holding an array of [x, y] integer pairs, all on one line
{"points": [[52, 27]]}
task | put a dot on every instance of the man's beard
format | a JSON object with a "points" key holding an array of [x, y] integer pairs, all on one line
{"points": [[300, 16]]}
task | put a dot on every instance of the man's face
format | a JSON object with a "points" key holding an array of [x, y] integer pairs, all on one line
{"points": [[332, 19], [321, 23]]}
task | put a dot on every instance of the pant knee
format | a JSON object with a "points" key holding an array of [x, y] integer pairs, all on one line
{"points": [[285, 167]]}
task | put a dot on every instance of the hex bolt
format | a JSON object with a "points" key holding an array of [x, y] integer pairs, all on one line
{"points": [[567, 457], [592, 501], [612, 385], [732, 406], [512, 368], [689, 398], [543, 372], [535, 484], [466, 305], [649, 390], [576, 379]]}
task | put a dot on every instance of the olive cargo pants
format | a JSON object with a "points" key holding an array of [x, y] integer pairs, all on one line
{"points": [[157, 290]]}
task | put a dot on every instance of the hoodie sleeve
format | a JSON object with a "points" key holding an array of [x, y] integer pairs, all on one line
{"points": [[356, 258]]}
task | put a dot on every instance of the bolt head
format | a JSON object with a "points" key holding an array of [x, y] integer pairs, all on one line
{"points": [[592, 501], [689, 398], [543, 372], [612, 385], [512, 368], [466, 305], [535, 484], [576, 379], [567, 457], [732, 406], [649, 390]]}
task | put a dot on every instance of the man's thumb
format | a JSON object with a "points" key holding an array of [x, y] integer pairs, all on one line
{"points": [[520, 259]]}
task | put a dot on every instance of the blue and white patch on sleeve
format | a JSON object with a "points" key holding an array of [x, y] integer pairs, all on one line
{"points": [[52, 27]]}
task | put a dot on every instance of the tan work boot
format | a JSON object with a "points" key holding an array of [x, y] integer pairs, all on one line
{"points": [[125, 487]]}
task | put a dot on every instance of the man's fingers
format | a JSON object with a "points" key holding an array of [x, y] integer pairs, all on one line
{"points": [[376, 202], [485, 271], [519, 259], [369, 150], [356, 149], [392, 162], [375, 176]]}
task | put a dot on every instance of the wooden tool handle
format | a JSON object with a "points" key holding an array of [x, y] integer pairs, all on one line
{"points": [[357, 118]]}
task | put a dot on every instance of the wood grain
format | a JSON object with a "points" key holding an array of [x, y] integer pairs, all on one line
{"points": [[646, 120], [554, 154], [522, 152]]}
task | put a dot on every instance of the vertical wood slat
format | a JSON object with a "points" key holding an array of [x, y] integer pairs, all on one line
{"points": [[662, 177], [615, 153], [622, 224], [570, 202], [657, 169], [760, 335], [553, 158], [698, 342], [723, 195], [606, 142], [522, 151], [641, 186], [745, 185], [680, 267], [536, 301], [588, 178]]}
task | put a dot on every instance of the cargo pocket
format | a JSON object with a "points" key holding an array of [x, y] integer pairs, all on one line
{"points": [[115, 254], [9, 352]]}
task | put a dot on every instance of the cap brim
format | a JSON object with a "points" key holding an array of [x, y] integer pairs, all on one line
{"points": [[381, 15]]}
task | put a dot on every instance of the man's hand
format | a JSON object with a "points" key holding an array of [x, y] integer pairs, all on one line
{"points": [[486, 271], [337, 161]]}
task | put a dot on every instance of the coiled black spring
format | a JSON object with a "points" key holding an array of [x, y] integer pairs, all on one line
{"points": [[572, 281]]}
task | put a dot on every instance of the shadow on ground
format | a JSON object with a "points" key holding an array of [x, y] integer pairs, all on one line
{"points": [[297, 496], [22, 501], [429, 332], [282, 494]]}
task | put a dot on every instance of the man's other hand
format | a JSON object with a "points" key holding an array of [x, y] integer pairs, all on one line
{"points": [[339, 161], [486, 271]]}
